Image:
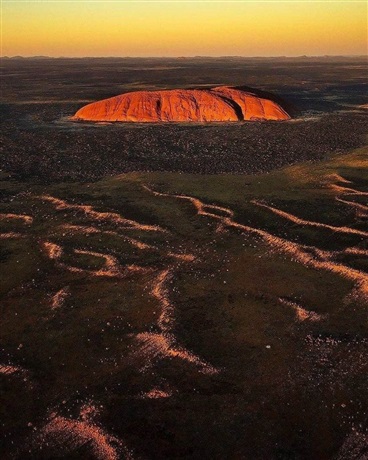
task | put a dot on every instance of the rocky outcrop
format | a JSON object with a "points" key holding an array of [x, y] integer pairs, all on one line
{"points": [[192, 105]]}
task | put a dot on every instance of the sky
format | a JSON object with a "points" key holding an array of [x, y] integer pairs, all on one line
{"points": [[141, 28]]}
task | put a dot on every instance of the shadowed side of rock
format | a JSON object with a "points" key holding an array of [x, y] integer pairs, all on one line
{"points": [[252, 106], [217, 104]]}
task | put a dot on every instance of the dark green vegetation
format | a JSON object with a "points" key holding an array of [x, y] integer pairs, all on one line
{"points": [[287, 337]]}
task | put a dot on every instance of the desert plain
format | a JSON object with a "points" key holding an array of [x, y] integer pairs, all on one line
{"points": [[184, 290]]}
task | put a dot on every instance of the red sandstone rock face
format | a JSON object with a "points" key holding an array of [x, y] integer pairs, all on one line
{"points": [[217, 104]]}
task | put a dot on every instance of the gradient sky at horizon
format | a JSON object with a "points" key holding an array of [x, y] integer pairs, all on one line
{"points": [[183, 28]]}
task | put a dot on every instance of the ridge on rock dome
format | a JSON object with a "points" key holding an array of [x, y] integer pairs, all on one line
{"points": [[197, 105]]}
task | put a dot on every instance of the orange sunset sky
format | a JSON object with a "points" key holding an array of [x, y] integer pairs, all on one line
{"points": [[183, 28]]}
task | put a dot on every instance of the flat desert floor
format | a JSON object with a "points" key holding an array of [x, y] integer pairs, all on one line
{"points": [[184, 291]]}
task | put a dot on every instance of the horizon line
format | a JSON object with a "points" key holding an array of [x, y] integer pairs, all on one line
{"points": [[35, 56]]}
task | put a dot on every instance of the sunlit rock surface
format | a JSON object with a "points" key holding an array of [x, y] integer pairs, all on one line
{"points": [[217, 104]]}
